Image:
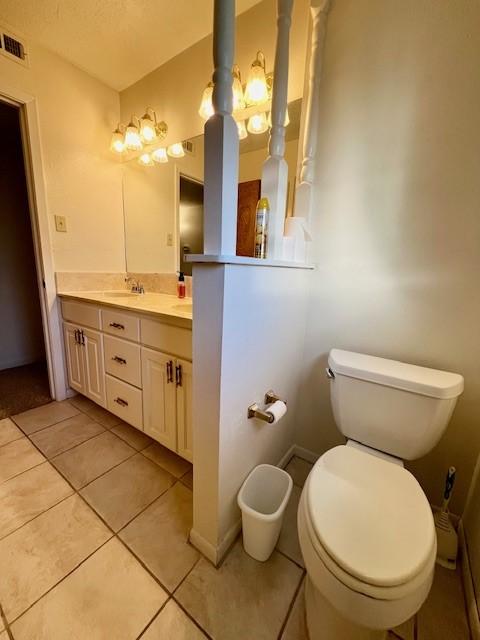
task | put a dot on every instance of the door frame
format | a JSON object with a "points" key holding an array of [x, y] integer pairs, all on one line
{"points": [[49, 305]]}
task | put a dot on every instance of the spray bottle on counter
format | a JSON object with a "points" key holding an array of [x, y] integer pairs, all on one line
{"points": [[261, 228], [181, 285]]}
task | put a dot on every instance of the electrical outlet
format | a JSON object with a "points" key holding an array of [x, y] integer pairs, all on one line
{"points": [[169, 239], [61, 224]]}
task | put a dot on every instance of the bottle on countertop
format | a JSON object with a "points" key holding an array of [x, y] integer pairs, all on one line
{"points": [[261, 228], [181, 285]]}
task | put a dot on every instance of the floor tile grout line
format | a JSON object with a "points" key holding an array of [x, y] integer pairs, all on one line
{"points": [[190, 616], [75, 445], [154, 618], [22, 435], [157, 463], [69, 573], [6, 624], [25, 470], [287, 557], [290, 606], [49, 425], [104, 473]]}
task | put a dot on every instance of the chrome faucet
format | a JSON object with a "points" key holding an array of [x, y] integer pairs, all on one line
{"points": [[137, 287]]}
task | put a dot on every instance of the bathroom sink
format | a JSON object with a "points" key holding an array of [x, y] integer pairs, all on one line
{"points": [[120, 294]]}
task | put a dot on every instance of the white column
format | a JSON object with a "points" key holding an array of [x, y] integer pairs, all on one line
{"points": [[221, 142], [275, 168], [303, 199]]}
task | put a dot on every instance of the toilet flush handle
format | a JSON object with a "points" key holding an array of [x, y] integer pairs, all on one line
{"points": [[330, 374]]}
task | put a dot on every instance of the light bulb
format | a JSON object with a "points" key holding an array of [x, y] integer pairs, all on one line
{"points": [[285, 123], [117, 145], [257, 123], [147, 129], [160, 155], [238, 99], [242, 130], [145, 160], [206, 110], [256, 90], [176, 150], [133, 142]]}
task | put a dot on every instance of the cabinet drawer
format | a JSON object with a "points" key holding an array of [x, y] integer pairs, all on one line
{"points": [[85, 314], [121, 324], [124, 401], [122, 360], [167, 338]]}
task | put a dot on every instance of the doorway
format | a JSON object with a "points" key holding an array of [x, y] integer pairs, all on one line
{"points": [[24, 379]]}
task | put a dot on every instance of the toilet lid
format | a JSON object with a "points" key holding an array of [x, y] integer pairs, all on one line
{"points": [[370, 516]]}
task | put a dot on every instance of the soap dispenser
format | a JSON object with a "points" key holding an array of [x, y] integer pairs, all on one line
{"points": [[181, 285]]}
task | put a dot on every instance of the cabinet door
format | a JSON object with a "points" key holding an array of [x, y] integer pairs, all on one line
{"points": [[94, 366], [158, 376], [184, 408], [74, 357]]}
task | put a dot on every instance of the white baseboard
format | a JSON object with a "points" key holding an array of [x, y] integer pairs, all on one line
{"points": [[212, 553], [285, 459], [306, 454], [470, 600]]}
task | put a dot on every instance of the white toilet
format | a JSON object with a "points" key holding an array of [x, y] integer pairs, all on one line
{"points": [[365, 526]]}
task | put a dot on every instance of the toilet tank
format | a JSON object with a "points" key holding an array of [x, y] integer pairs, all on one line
{"points": [[401, 409]]}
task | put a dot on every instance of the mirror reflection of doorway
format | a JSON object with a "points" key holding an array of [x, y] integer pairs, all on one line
{"points": [[190, 220]]}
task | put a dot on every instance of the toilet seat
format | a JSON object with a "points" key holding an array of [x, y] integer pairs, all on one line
{"points": [[369, 523]]}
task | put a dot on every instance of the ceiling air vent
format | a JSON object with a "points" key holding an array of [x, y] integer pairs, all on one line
{"points": [[12, 47], [188, 147]]}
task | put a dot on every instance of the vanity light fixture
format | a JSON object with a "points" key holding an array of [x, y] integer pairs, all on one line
{"points": [[238, 98], [257, 123], [133, 141], [206, 105], [159, 155], [147, 128], [176, 150], [117, 145], [145, 160], [256, 90], [242, 129]]}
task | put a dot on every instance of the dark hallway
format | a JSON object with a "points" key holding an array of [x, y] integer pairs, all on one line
{"points": [[23, 369]]}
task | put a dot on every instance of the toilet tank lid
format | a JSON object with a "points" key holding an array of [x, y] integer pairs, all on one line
{"points": [[400, 375]]}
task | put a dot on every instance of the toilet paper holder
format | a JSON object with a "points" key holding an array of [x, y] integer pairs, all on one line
{"points": [[254, 410]]}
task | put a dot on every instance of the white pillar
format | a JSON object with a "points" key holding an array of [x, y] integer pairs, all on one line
{"points": [[275, 168], [221, 142], [303, 199]]}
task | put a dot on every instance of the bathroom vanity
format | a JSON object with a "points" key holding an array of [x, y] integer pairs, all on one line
{"points": [[132, 354]]}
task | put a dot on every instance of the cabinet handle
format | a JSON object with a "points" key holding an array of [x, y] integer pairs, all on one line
{"points": [[121, 402], [82, 337], [169, 371], [77, 338], [119, 360], [178, 375], [117, 325]]}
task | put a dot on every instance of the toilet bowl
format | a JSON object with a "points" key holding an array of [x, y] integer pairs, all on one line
{"points": [[365, 526]]}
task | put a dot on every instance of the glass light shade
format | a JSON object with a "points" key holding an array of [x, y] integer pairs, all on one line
{"points": [[160, 155], [176, 150], [133, 142], [257, 123], [242, 129], [256, 90], [238, 99], [145, 160], [285, 124], [206, 110], [117, 145], [147, 129]]}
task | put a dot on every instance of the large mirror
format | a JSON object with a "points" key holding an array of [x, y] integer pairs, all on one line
{"points": [[163, 204]]}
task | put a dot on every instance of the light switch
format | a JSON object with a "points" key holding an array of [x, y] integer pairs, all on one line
{"points": [[61, 224], [169, 239]]}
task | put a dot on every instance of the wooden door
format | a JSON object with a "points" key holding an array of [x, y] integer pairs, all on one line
{"points": [[94, 366], [158, 376], [248, 197], [184, 409], [74, 357]]}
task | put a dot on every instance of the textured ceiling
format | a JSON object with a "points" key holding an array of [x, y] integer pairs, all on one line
{"points": [[116, 41]]}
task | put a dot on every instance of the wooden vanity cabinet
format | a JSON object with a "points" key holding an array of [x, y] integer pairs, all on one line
{"points": [[136, 366]]}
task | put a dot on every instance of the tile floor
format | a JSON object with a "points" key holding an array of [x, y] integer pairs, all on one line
{"points": [[94, 520]]}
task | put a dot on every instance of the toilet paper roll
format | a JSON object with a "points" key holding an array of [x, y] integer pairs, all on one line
{"points": [[278, 409]]}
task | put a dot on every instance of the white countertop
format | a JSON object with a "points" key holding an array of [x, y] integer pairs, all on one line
{"points": [[159, 304]]}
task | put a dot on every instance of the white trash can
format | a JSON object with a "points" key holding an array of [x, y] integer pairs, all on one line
{"points": [[263, 498]]}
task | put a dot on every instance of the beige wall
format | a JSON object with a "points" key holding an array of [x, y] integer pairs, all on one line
{"points": [[77, 115], [175, 89], [396, 221]]}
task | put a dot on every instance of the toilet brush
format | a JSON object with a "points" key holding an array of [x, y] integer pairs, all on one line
{"points": [[447, 538]]}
